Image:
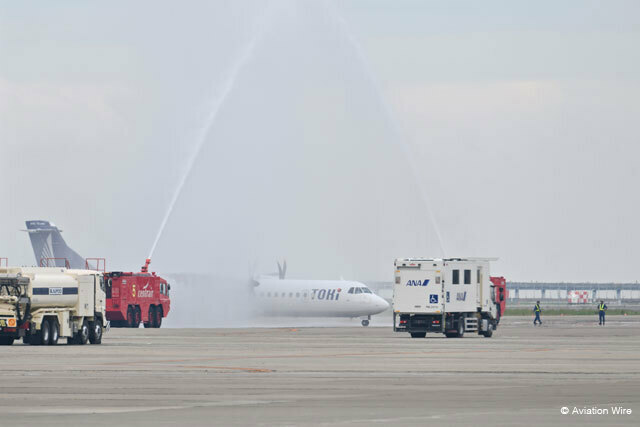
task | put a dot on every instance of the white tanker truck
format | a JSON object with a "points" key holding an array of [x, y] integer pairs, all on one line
{"points": [[41, 305]]}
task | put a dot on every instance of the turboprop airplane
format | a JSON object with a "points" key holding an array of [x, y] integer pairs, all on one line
{"points": [[316, 298]]}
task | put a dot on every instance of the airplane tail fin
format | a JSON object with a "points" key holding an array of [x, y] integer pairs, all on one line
{"points": [[282, 269], [47, 242]]}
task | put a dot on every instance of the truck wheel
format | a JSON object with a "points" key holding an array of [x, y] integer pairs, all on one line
{"points": [[131, 319], [42, 336], [6, 340], [158, 317], [450, 334], [418, 334], [54, 333], [152, 316], [83, 333], [489, 332], [95, 334], [138, 317], [460, 332]]}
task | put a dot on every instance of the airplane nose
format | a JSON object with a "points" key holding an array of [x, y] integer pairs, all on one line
{"points": [[382, 304]]}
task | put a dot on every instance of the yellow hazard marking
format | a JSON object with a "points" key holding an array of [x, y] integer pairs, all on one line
{"points": [[133, 290]]}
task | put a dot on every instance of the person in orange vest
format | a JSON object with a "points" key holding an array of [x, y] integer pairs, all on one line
{"points": [[537, 311], [602, 307]]}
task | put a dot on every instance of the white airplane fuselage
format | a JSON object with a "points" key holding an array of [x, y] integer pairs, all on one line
{"points": [[317, 298]]}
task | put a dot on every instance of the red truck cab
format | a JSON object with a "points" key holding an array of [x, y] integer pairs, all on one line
{"points": [[500, 295], [134, 298]]}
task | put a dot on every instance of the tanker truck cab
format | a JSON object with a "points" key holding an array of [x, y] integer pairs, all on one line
{"points": [[450, 296], [52, 303]]}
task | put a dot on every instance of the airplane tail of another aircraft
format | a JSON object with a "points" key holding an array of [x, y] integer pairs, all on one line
{"points": [[47, 243]]}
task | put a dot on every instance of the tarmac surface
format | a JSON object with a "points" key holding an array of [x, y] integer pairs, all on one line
{"points": [[330, 376]]}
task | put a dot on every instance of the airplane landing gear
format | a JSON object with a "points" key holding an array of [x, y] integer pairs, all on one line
{"points": [[365, 322]]}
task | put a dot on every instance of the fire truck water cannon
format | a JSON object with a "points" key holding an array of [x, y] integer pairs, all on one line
{"points": [[145, 267]]}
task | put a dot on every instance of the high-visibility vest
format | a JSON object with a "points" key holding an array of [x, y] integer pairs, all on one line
{"points": [[602, 307], [538, 308]]}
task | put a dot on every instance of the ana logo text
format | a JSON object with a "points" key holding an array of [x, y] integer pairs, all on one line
{"points": [[424, 282]]}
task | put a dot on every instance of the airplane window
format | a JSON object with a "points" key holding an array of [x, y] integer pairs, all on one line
{"points": [[350, 291], [358, 290], [366, 290], [297, 294], [283, 295], [268, 294], [290, 294], [304, 295]]}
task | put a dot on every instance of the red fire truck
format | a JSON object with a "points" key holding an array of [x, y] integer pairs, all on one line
{"points": [[500, 286], [134, 298]]}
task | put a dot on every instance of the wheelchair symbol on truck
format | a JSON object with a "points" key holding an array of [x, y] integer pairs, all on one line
{"points": [[433, 299]]}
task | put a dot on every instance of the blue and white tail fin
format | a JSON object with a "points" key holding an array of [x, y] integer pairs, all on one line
{"points": [[47, 243]]}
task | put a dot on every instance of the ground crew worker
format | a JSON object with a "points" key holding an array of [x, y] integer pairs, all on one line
{"points": [[537, 311], [602, 307]]}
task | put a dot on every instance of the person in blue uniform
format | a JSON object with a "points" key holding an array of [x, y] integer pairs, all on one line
{"points": [[602, 307], [537, 311]]}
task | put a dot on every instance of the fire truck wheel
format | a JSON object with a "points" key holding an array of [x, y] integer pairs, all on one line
{"points": [[418, 334], [6, 340], [152, 316], [450, 334], [130, 317], [138, 317], [460, 332], [83, 333], [54, 333], [95, 334], [42, 336], [158, 318]]}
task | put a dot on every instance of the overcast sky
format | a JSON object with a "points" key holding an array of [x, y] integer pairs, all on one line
{"points": [[517, 123]]}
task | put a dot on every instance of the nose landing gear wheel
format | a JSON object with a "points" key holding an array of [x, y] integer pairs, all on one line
{"points": [[365, 322]]}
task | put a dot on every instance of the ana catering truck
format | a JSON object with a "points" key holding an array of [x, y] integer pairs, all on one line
{"points": [[42, 304], [450, 296]]}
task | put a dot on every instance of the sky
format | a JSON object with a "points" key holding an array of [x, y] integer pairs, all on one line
{"points": [[335, 135]]}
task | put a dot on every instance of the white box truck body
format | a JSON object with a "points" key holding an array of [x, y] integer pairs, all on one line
{"points": [[450, 296]]}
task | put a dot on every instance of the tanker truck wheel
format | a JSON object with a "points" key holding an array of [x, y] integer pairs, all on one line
{"points": [[95, 334], [43, 335], [82, 337], [6, 340], [54, 333], [418, 334]]}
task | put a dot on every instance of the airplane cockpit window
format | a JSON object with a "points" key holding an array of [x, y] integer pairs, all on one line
{"points": [[350, 290], [366, 290], [358, 290]]}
